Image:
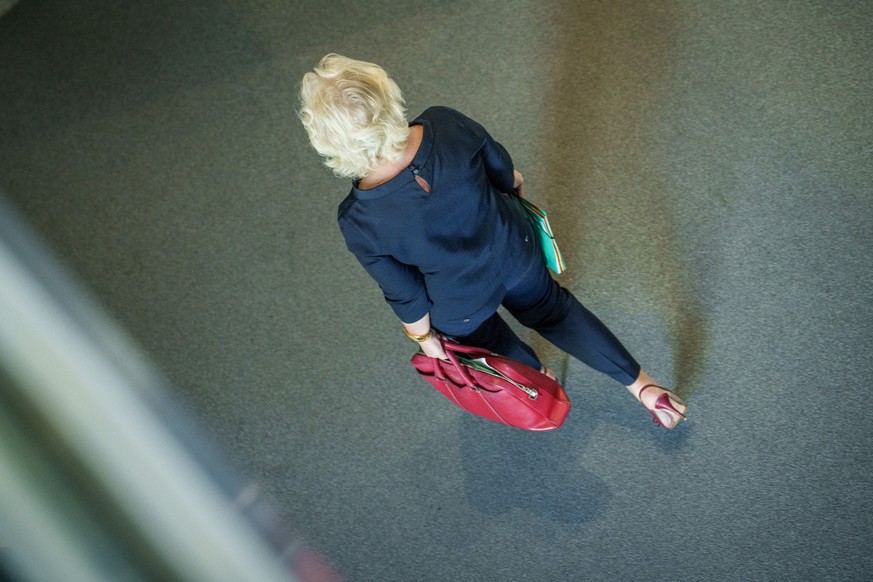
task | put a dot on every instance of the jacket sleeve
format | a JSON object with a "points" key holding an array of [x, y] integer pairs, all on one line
{"points": [[402, 285], [498, 165], [498, 162]]}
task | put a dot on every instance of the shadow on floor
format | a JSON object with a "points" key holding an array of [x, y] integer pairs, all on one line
{"points": [[612, 213]]}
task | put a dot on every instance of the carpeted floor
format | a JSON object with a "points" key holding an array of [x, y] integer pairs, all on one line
{"points": [[708, 167]]}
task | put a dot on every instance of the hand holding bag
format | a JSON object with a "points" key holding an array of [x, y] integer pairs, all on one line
{"points": [[495, 387]]}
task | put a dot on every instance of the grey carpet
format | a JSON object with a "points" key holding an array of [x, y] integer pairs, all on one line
{"points": [[708, 168]]}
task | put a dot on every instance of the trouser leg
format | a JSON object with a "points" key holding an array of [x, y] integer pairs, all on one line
{"points": [[496, 335], [540, 303]]}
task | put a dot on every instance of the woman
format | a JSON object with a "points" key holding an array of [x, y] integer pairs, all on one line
{"points": [[430, 219]]}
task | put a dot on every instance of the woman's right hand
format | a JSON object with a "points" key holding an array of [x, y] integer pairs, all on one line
{"points": [[518, 182], [433, 346]]}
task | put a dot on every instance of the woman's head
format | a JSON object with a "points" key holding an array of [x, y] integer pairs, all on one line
{"points": [[354, 115]]}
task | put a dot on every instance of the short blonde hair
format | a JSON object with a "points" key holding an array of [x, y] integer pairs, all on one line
{"points": [[354, 115]]}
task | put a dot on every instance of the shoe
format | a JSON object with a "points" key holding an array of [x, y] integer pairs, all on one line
{"points": [[664, 402]]}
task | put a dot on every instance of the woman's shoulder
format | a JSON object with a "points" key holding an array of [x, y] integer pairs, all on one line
{"points": [[435, 112], [345, 206], [447, 121]]}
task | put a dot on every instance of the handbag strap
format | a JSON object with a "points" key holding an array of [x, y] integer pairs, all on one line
{"points": [[460, 348], [450, 348], [462, 371]]}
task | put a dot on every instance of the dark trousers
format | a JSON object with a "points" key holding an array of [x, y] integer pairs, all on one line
{"points": [[537, 301]]}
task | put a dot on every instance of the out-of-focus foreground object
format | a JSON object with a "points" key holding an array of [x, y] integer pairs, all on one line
{"points": [[102, 477], [6, 5]]}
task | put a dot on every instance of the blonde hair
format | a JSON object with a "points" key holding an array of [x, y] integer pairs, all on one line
{"points": [[354, 115]]}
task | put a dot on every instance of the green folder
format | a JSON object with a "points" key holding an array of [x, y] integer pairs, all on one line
{"points": [[540, 220]]}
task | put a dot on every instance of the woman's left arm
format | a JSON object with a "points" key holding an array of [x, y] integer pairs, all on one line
{"points": [[432, 344]]}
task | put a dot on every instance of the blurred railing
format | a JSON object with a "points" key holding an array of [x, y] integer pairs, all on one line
{"points": [[102, 477], [6, 5]]}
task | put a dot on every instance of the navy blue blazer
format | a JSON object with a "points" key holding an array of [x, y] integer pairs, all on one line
{"points": [[452, 251]]}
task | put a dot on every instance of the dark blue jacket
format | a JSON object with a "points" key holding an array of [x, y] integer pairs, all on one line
{"points": [[450, 251]]}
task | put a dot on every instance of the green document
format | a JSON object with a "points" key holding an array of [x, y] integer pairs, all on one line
{"points": [[540, 220]]}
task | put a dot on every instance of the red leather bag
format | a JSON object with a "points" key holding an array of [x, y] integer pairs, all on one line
{"points": [[496, 387]]}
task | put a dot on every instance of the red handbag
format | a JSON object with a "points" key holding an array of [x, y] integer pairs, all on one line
{"points": [[495, 387]]}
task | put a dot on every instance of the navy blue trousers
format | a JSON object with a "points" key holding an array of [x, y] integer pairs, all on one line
{"points": [[537, 301]]}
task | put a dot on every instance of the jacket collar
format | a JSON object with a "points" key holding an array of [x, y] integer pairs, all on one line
{"points": [[406, 176]]}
